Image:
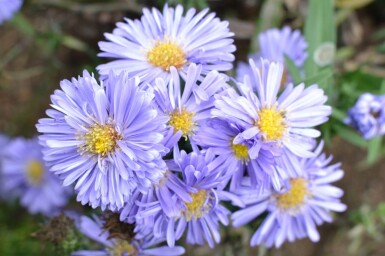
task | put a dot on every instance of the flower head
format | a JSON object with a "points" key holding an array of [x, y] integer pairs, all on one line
{"points": [[274, 45], [238, 160], [187, 109], [271, 121], [115, 246], [162, 198], [149, 47], [25, 175], [200, 214], [367, 116], [294, 212], [106, 140], [8, 8]]}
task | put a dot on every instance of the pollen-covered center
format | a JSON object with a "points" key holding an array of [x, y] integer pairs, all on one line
{"points": [[166, 54], [271, 123], [240, 151], [123, 248], [35, 172], [101, 139], [182, 121], [295, 196], [198, 206]]}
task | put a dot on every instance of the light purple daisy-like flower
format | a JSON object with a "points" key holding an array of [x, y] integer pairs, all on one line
{"points": [[118, 247], [367, 116], [149, 47], [274, 45], [271, 121], [187, 109], [106, 140], [295, 212], [201, 216], [162, 197], [8, 8], [26, 176], [218, 135]]}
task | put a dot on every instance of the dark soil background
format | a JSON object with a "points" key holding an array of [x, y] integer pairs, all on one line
{"points": [[61, 40]]}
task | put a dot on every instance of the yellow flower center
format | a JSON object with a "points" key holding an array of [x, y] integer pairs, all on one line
{"points": [[166, 54], [101, 139], [123, 248], [182, 121], [35, 172], [198, 205], [295, 197], [240, 151], [271, 123]]}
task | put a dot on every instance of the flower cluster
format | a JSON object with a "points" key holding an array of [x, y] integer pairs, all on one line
{"points": [[367, 116], [163, 140]]}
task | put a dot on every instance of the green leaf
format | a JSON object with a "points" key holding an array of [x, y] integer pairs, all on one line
{"points": [[379, 35], [327, 132], [319, 29], [293, 70], [342, 15], [381, 48], [374, 150], [359, 81], [74, 43], [22, 24], [351, 136], [320, 78], [344, 53], [338, 114], [382, 88]]}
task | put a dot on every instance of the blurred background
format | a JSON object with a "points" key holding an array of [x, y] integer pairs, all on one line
{"points": [[52, 40]]}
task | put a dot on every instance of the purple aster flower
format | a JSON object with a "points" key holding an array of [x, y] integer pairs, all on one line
{"points": [[118, 247], [273, 122], [189, 108], [294, 212], [149, 47], [106, 140], [161, 198], [367, 116], [26, 176], [201, 216], [218, 135], [145, 209], [8, 8], [243, 68], [274, 44]]}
